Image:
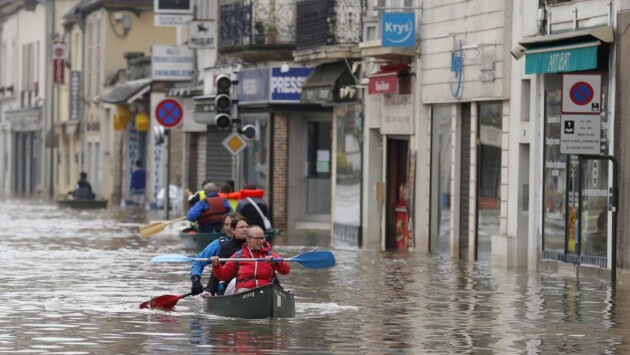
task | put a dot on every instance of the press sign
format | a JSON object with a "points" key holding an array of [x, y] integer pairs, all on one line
{"points": [[398, 29]]}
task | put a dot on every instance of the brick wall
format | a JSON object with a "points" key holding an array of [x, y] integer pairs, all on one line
{"points": [[280, 139]]}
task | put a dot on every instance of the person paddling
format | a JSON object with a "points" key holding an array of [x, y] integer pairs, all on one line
{"points": [[211, 250], [251, 274], [208, 213]]}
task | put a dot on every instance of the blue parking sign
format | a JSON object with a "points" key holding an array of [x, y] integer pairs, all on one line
{"points": [[398, 29]]}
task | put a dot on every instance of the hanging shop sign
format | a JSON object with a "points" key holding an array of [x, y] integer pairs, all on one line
{"points": [[273, 84], [398, 29], [202, 34]]}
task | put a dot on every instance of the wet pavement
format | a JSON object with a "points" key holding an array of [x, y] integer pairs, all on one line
{"points": [[71, 282]]}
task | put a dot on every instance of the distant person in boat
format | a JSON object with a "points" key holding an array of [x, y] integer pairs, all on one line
{"points": [[253, 207], [209, 212], [83, 191], [212, 249], [138, 184], [197, 196], [251, 274], [227, 192]]}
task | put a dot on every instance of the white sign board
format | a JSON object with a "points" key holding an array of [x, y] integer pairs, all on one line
{"points": [[202, 34], [580, 134], [171, 20], [582, 93], [171, 62]]}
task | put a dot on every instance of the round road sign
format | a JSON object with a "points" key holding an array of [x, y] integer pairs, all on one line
{"points": [[169, 113], [581, 93]]}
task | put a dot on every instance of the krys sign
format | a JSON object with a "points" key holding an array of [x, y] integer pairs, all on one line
{"points": [[398, 29]]}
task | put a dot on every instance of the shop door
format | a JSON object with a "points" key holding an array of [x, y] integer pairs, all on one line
{"points": [[318, 164], [397, 205]]}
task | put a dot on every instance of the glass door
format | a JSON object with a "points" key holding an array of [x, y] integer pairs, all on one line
{"points": [[318, 164]]}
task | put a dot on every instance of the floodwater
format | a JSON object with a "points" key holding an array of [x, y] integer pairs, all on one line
{"points": [[71, 282]]}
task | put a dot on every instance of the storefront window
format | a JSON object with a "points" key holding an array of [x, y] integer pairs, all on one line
{"points": [[441, 140], [575, 194], [347, 199], [489, 172], [254, 156]]}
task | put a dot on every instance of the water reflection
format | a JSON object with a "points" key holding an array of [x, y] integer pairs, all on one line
{"points": [[72, 282]]}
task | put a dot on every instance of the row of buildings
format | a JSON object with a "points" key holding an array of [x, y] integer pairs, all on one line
{"points": [[453, 145]]}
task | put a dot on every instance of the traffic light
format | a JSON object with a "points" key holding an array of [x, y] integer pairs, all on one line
{"points": [[223, 102], [249, 132]]}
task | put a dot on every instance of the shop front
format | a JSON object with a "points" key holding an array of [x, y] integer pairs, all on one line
{"points": [[269, 101], [326, 167], [392, 157], [577, 210]]}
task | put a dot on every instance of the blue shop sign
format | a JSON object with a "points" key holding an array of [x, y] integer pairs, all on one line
{"points": [[398, 29], [266, 85], [288, 86]]}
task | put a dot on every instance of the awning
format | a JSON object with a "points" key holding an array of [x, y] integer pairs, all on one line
{"points": [[563, 52], [385, 81], [322, 85], [128, 92]]}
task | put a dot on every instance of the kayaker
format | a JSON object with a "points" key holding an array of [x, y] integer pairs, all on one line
{"points": [[197, 196], [253, 207], [209, 212], [227, 193], [83, 191], [251, 274], [211, 250]]}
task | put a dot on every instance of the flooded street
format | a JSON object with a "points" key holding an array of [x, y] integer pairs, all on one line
{"points": [[72, 281]]}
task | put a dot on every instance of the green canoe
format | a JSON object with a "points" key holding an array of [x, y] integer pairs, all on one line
{"points": [[83, 204], [192, 240], [269, 301]]}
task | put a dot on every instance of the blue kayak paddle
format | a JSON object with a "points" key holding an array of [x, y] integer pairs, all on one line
{"points": [[317, 259]]}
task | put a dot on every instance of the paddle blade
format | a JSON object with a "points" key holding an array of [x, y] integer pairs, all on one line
{"points": [[316, 259], [152, 229], [162, 302], [172, 258]]}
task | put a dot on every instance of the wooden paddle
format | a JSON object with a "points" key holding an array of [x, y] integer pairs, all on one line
{"points": [[154, 228], [163, 302]]}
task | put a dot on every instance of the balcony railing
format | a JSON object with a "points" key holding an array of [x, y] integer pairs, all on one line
{"points": [[256, 26], [327, 23]]}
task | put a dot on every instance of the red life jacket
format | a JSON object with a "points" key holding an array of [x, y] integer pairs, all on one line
{"points": [[215, 212]]}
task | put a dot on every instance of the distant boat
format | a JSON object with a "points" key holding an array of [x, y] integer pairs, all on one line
{"points": [[83, 204], [269, 301], [193, 240]]}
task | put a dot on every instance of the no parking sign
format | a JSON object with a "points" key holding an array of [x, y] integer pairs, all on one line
{"points": [[582, 93], [169, 113]]}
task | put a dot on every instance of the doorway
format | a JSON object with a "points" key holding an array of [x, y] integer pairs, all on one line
{"points": [[309, 175], [397, 215]]}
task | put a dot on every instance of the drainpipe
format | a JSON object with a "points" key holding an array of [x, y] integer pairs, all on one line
{"points": [[50, 26]]}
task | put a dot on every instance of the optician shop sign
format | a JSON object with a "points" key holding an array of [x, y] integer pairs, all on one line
{"points": [[271, 84], [398, 29]]}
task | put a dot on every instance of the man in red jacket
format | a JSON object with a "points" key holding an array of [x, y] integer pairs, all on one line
{"points": [[251, 274]]}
